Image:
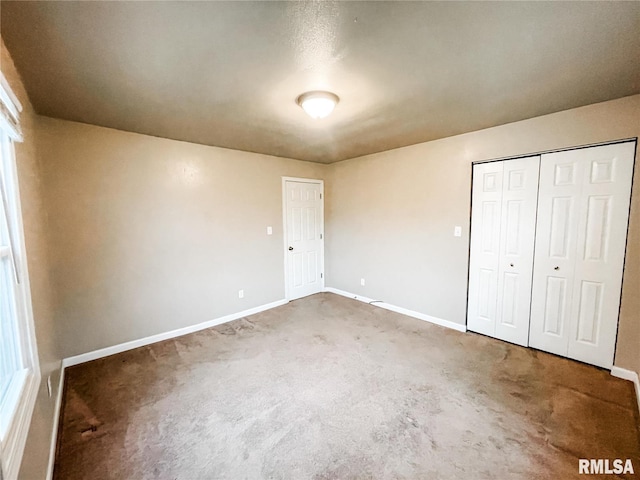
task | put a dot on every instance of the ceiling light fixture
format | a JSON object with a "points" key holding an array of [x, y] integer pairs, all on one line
{"points": [[318, 104]]}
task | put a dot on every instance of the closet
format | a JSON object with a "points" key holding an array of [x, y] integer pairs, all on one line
{"points": [[548, 238]]}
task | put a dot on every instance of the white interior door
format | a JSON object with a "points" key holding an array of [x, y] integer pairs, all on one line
{"points": [[555, 252], [304, 243], [579, 255], [484, 263], [502, 241], [517, 239]]}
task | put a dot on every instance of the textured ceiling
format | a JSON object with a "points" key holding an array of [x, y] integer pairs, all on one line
{"points": [[228, 73]]}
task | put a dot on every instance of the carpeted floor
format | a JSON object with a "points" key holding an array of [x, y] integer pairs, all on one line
{"points": [[330, 388]]}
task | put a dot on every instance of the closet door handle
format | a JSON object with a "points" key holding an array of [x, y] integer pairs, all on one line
{"points": [[511, 264], [556, 268]]}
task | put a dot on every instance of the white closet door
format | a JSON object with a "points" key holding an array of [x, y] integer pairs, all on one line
{"points": [[555, 250], [580, 246], [484, 262], [517, 238], [502, 239], [601, 241]]}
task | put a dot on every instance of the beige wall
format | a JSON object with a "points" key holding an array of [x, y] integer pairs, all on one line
{"points": [[392, 214], [36, 454], [149, 235]]}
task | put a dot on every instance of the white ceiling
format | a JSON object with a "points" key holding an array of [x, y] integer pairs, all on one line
{"points": [[228, 73]]}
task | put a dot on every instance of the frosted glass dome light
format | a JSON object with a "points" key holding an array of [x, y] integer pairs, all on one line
{"points": [[318, 104]]}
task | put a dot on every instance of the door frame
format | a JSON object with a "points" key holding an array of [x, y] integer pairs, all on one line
{"points": [[285, 244]]}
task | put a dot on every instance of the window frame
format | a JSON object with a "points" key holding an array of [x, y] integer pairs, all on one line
{"points": [[18, 404]]}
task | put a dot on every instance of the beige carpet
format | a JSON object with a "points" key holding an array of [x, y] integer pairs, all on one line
{"points": [[331, 388]]}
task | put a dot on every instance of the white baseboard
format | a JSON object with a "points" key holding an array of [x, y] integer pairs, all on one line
{"points": [[628, 375], [123, 347], [350, 295], [403, 311], [56, 421]]}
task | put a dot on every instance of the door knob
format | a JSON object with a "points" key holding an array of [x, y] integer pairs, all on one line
{"points": [[556, 268], [511, 264], [290, 248]]}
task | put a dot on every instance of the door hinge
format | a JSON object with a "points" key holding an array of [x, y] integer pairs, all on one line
{"points": [[320, 236], [321, 196], [321, 275]]}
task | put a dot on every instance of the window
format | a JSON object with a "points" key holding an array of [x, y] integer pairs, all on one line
{"points": [[19, 371]]}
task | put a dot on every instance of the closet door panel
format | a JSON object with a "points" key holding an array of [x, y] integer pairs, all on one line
{"points": [[579, 253], [555, 250], [519, 200], [601, 240], [485, 247]]}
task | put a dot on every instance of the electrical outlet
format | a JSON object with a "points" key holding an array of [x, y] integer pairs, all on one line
{"points": [[240, 293], [362, 282], [49, 386], [457, 231], [269, 231]]}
